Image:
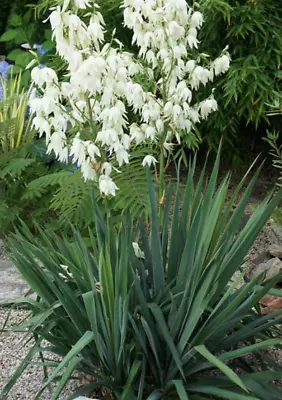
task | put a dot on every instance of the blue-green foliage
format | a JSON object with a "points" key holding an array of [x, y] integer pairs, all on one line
{"points": [[166, 321]]}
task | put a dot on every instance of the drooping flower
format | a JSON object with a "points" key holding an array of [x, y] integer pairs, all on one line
{"points": [[221, 64], [149, 160], [107, 185], [207, 106]]}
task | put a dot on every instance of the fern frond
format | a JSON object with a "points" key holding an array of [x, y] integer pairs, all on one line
{"points": [[73, 200], [39, 186], [8, 213], [16, 166], [132, 195]]}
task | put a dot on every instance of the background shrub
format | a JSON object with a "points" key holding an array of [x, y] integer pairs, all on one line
{"points": [[252, 30]]}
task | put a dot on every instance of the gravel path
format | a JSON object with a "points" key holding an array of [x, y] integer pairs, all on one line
{"points": [[12, 351], [11, 354]]}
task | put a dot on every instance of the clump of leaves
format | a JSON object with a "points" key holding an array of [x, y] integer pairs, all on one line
{"points": [[22, 158], [163, 318]]}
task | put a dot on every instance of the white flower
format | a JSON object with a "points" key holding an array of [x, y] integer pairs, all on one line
{"points": [[57, 143], [44, 105], [78, 150], [192, 38], [149, 160], [55, 19], [88, 171], [207, 106], [200, 75], [175, 30], [44, 76], [107, 185], [137, 134], [150, 132], [160, 125], [183, 93], [190, 65], [137, 251], [82, 3], [84, 398], [196, 20], [107, 168], [93, 151], [95, 32], [121, 154], [42, 125], [221, 64]]}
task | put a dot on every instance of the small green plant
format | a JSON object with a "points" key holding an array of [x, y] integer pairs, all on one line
{"points": [[154, 311], [15, 118], [275, 152], [22, 157]]}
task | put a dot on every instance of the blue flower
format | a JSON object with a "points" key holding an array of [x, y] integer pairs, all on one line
{"points": [[40, 50], [4, 68]]}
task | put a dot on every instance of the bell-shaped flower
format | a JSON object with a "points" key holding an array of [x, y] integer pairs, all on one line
{"points": [[149, 160], [107, 185]]}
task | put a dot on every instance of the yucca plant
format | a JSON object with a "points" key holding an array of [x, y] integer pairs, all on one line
{"points": [[154, 311]]}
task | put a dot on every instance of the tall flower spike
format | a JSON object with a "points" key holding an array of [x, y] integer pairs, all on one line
{"points": [[103, 96]]}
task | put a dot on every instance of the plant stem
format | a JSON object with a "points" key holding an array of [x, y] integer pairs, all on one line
{"points": [[161, 184]]}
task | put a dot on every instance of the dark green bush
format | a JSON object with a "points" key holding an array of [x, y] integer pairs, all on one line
{"points": [[252, 30]]}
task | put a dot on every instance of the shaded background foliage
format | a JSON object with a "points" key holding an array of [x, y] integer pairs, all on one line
{"points": [[252, 29]]}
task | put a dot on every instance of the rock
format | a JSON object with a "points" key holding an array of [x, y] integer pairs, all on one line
{"points": [[261, 258], [275, 250], [271, 268], [277, 230], [84, 398], [12, 285], [271, 303]]}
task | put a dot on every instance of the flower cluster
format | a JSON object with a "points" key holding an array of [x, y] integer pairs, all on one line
{"points": [[102, 85]]}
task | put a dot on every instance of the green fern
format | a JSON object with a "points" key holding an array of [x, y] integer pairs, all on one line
{"points": [[73, 201], [73, 198], [15, 167], [132, 195], [38, 187]]}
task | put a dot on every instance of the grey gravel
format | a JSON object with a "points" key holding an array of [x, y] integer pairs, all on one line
{"points": [[12, 351], [11, 354]]}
